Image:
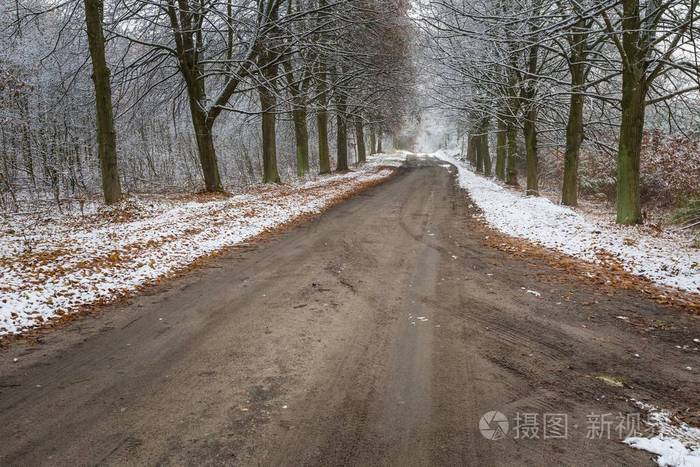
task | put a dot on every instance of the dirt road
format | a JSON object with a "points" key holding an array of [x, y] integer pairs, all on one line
{"points": [[378, 334]]}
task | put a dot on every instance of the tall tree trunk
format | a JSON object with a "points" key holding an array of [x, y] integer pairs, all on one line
{"points": [[501, 149], [342, 134], [27, 139], [187, 34], [202, 124], [632, 124], [512, 170], [574, 126], [472, 147], [205, 148], [574, 137], [324, 158], [372, 141], [530, 96], [267, 104], [106, 134], [301, 134], [301, 131], [360, 140], [268, 63], [484, 147], [530, 134], [479, 152], [380, 139], [486, 156], [628, 157]]}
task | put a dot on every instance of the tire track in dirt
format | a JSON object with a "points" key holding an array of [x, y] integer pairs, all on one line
{"points": [[307, 349]]}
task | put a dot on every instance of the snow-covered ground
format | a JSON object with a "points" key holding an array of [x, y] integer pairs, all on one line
{"points": [[666, 259], [394, 159], [676, 443], [52, 265]]}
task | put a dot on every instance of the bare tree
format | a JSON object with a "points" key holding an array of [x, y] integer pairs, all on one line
{"points": [[106, 134]]}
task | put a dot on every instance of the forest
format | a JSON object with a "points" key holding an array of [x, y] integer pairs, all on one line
{"points": [[131, 96], [593, 97], [350, 232]]}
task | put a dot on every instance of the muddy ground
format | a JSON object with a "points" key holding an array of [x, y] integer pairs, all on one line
{"points": [[378, 334]]}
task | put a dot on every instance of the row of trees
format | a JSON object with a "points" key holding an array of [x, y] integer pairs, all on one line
{"points": [[194, 74], [564, 73]]}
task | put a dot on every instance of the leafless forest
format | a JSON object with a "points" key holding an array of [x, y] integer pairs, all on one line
{"points": [[593, 98], [172, 95]]}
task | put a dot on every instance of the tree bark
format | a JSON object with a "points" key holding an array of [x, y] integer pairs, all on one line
{"points": [[106, 134], [632, 124], [27, 139], [472, 147], [372, 141], [501, 149], [512, 170], [380, 138], [486, 155], [529, 94], [479, 153], [360, 140], [574, 137], [299, 114], [342, 134], [574, 126], [267, 104], [630, 146], [268, 56], [484, 147], [324, 158], [191, 71], [301, 134], [530, 134], [205, 148]]}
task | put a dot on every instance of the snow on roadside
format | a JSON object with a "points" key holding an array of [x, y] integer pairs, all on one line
{"points": [[676, 444], [662, 260], [396, 159], [52, 267]]}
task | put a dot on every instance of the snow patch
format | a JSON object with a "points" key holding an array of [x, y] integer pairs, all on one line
{"points": [[388, 160], [51, 267], [660, 259], [676, 443]]}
